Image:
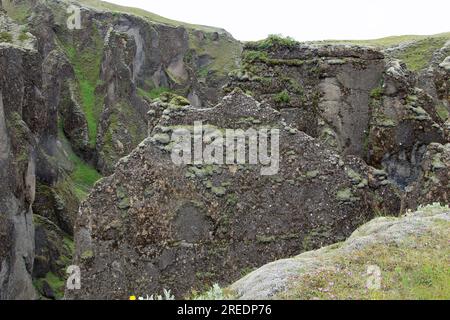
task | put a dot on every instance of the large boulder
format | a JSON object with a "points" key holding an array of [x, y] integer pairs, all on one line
{"points": [[154, 224]]}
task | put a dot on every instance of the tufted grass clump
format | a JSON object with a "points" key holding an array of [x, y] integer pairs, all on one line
{"points": [[5, 37], [282, 97], [377, 93], [273, 41], [214, 293]]}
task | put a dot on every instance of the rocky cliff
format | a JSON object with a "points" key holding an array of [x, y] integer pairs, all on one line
{"points": [[78, 98], [91, 89], [20, 104]]}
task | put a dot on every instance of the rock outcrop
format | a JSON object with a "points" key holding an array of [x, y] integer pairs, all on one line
{"points": [[433, 183], [316, 272], [190, 226], [104, 90], [20, 104], [357, 100], [77, 99]]}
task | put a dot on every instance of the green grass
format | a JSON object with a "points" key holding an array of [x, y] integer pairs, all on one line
{"points": [[56, 283], [18, 12], [83, 176], [377, 93], [225, 53], [282, 97], [442, 112], [103, 5], [24, 36], [273, 41], [154, 93], [252, 56], [5, 37], [86, 64], [387, 41], [418, 55], [419, 269]]}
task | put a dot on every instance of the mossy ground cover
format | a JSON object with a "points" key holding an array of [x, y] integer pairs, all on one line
{"points": [[225, 54], [154, 93], [5, 37], [416, 55], [18, 12], [83, 175], [55, 280], [57, 284], [419, 269], [103, 5], [86, 63]]}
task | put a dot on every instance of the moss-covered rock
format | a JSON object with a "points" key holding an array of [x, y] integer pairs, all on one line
{"points": [[387, 258], [54, 251]]}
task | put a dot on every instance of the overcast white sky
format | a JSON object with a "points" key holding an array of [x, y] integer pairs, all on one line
{"points": [[307, 20]]}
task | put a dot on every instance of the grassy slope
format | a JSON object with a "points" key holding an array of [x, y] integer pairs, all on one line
{"points": [[224, 52], [416, 56], [83, 176], [103, 5], [86, 65], [387, 41], [417, 270]]}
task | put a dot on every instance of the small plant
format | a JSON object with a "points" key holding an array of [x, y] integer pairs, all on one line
{"points": [[5, 37], [275, 40], [282, 97], [215, 293], [252, 56], [167, 295], [377, 93], [23, 37]]}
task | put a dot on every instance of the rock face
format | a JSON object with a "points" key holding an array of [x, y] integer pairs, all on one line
{"points": [[117, 62], [76, 98], [321, 90], [276, 278], [20, 103], [361, 134], [433, 183], [356, 100], [191, 226]]}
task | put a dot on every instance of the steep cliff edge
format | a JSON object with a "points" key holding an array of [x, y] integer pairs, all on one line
{"points": [[20, 103], [358, 100], [86, 107]]}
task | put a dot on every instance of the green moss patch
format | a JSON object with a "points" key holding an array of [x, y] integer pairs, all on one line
{"points": [[83, 175], [5, 37], [86, 63], [418, 55]]}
